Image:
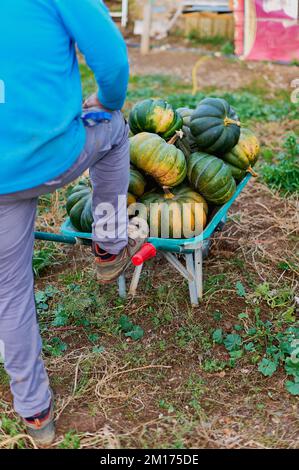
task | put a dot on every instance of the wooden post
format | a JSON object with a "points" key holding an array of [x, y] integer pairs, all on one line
{"points": [[145, 37]]}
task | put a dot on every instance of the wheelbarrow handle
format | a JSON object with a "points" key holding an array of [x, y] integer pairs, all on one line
{"points": [[146, 252]]}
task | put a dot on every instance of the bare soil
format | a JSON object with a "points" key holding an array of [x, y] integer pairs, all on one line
{"points": [[220, 72]]}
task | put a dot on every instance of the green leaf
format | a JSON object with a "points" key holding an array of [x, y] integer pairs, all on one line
{"points": [[292, 387], [217, 315], [267, 367], [249, 346], [232, 342], [40, 297], [292, 367], [236, 354], [60, 320], [218, 336], [238, 327], [83, 322], [136, 333], [98, 349], [240, 289], [93, 337], [125, 323], [251, 331], [243, 315]]}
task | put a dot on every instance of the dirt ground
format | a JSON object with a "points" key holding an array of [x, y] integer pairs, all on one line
{"points": [[170, 388], [220, 72]]}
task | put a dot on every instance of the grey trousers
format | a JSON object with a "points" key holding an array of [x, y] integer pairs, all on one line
{"points": [[106, 154]]}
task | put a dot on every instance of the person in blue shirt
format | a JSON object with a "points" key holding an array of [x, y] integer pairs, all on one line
{"points": [[45, 143]]}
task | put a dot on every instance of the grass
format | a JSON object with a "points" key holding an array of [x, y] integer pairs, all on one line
{"points": [[282, 172], [44, 257], [215, 42], [252, 103]]}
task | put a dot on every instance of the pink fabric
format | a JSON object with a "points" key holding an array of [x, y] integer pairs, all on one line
{"points": [[274, 33], [275, 41]]}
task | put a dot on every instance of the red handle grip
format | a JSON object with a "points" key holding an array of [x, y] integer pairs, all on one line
{"points": [[147, 252]]}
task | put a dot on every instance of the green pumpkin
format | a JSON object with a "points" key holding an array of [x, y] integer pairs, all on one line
{"points": [[215, 126], [79, 207], [237, 173], [156, 116], [244, 155], [185, 114], [131, 199], [137, 182], [164, 162], [187, 144], [176, 215], [211, 177]]}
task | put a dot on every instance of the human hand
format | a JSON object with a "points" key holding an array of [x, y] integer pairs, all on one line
{"points": [[93, 102]]}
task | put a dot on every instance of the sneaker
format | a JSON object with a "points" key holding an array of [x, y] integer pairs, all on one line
{"points": [[41, 426], [110, 267]]}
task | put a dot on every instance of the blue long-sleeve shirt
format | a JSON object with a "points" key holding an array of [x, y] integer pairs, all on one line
{"points": [[41, 133]]}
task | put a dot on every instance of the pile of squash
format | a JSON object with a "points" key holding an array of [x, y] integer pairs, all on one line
{"points": [[179, 156]]}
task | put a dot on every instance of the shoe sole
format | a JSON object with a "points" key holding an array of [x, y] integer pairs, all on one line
{"points": [[112, 280], [45, 443]]}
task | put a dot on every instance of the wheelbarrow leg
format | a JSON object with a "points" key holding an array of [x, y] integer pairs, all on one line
{"points": [[172, 259], [198, 257], [135, 279], [122, 286], [192, 284]]}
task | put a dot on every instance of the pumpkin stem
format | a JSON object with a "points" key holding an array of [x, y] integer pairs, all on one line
{"points": [[251, 171], [178, 135], [228, 121], [168, 194]]}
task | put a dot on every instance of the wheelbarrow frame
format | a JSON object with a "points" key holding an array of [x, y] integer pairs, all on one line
{"points": [[194, 250]]}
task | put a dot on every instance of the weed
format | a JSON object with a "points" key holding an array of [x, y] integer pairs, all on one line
{"points": [[194, 38], [249, 105], [4, 378], [192, 337], [45, 257], [283, 173], [132, 331], [54, 347], [195, 386], [12, 428], [43, 298], [215, 282], [213, 365], [71, 441], [281, 298], [269, 345], [166, 406], [228, 48]]}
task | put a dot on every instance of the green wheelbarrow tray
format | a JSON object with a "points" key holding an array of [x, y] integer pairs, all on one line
{"points": [[193, 250], [182, 245]]}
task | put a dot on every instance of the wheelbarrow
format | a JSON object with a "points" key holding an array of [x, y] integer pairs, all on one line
{"points": [[193, 250]]}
